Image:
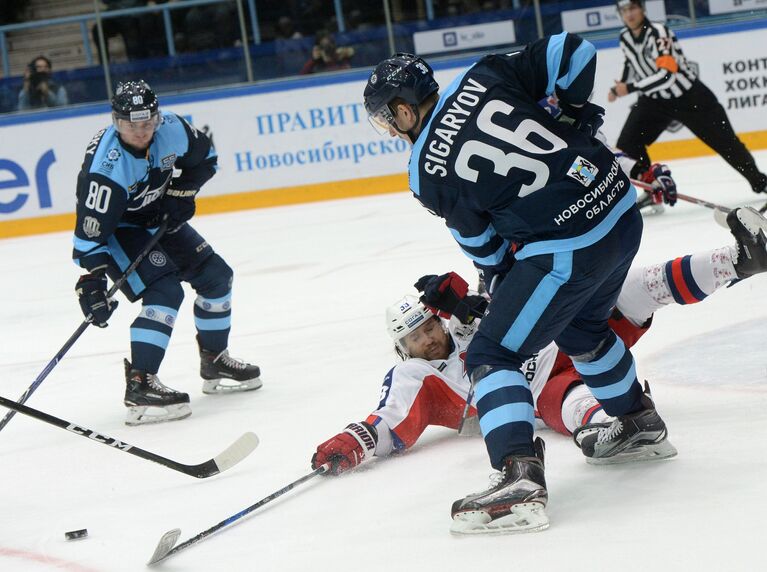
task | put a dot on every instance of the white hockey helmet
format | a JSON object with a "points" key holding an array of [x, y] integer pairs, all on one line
{"points": [[405, 316]]}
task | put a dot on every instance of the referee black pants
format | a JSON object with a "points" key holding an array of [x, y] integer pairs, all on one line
{"points": [[699, 111]]}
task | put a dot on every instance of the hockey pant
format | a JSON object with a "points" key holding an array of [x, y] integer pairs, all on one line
{"points": [[566, 297], [181, 256]]}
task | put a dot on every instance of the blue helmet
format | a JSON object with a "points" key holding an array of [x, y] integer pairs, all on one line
{"points": [[403, 76]]}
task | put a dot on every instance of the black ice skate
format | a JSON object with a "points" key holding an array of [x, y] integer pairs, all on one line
{"points": [[239, 375], [515, 502], [750, 231], [638, 436], [149, 401]]}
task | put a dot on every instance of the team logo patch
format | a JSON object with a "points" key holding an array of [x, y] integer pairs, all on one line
{"points": [[583, 171], [206, 305], [169, 320], [150, 312], [157, 258], [166, 163], [373, 79], [113, 154], [91, 227]]}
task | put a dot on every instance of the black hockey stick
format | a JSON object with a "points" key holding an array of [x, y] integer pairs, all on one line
{"points": [[84, 326], [232, 455], [165, 548]]}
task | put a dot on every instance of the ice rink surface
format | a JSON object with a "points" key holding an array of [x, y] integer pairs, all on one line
{"points": [[311, 285]]}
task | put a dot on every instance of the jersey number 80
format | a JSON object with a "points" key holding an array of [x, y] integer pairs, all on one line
{"points": [[98, 197]]}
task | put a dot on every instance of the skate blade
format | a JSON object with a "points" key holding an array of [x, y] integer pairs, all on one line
{"points": [[524, 517], [754, 222], [146, 414], [653, 452], [220, 386]]}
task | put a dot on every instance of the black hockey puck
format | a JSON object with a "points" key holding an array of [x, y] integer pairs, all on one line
{"points": [[76, 534]]}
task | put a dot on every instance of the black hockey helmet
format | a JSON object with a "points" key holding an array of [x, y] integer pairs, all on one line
{"points": [[135, 101], [403, 76]]}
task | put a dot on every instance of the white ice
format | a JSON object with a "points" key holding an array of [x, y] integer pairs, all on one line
{"points": [[311, 285]]}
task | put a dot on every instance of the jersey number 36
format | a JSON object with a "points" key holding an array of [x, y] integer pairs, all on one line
{"points": [[505, 162]]}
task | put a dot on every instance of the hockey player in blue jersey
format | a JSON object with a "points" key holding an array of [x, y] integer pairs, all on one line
{"points": [[125, 187], [546, 214]]}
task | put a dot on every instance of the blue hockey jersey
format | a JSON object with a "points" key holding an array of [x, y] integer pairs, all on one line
{"points": [[118, 185], [500, 169]]}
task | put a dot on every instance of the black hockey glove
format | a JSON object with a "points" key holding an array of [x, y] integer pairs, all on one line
{"points": [[179, 205], [91, 290], [588, 118], [447, 295]]}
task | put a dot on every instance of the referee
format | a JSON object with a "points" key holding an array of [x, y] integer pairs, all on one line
{"points": [[669, 90]]}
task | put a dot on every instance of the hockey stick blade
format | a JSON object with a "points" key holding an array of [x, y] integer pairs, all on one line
{"points": [[232, 455], [236, 452], [166, 544]]}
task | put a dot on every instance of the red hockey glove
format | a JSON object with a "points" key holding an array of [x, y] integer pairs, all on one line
{"points": [[664, 187], [446, 296], [347, 449]]}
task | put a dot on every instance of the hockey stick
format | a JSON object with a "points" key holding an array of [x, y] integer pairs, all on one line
{"points": [[84, 326], [469, 397], [228, 458], [165, 548], [720, 212]]}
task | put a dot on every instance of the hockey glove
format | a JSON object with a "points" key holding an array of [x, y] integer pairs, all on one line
{"points": [[447, 296], [347, 449], [91, 292], [664, 187], [179, 205], [588, 118]]}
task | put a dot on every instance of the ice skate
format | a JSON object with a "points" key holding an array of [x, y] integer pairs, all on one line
{"points": [[638, 436], [224, 374], [149, 401], [750, 231], [514, 503]]}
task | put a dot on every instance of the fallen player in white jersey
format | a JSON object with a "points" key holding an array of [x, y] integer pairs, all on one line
{"points": [[430, 386]]}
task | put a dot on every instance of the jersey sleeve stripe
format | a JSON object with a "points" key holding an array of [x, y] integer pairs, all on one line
{"points": [[491, 259], [578, 62], [479, 240]]}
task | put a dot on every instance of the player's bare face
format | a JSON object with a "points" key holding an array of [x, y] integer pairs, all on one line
{"points": [[137, 134], [633, 16], [428, 342]]}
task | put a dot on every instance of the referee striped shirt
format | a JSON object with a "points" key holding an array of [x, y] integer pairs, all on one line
{"points": [[655, 65]]}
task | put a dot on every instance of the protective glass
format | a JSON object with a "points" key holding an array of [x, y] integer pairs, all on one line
{"points": [[382, 120]]}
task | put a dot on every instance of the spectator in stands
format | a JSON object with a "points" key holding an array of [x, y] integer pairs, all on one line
{"points": [[211, 26], [289, 47], [40, 90], [326, 56]]}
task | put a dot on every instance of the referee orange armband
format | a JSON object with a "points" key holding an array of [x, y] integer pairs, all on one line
{"points": [[667, 63]]}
